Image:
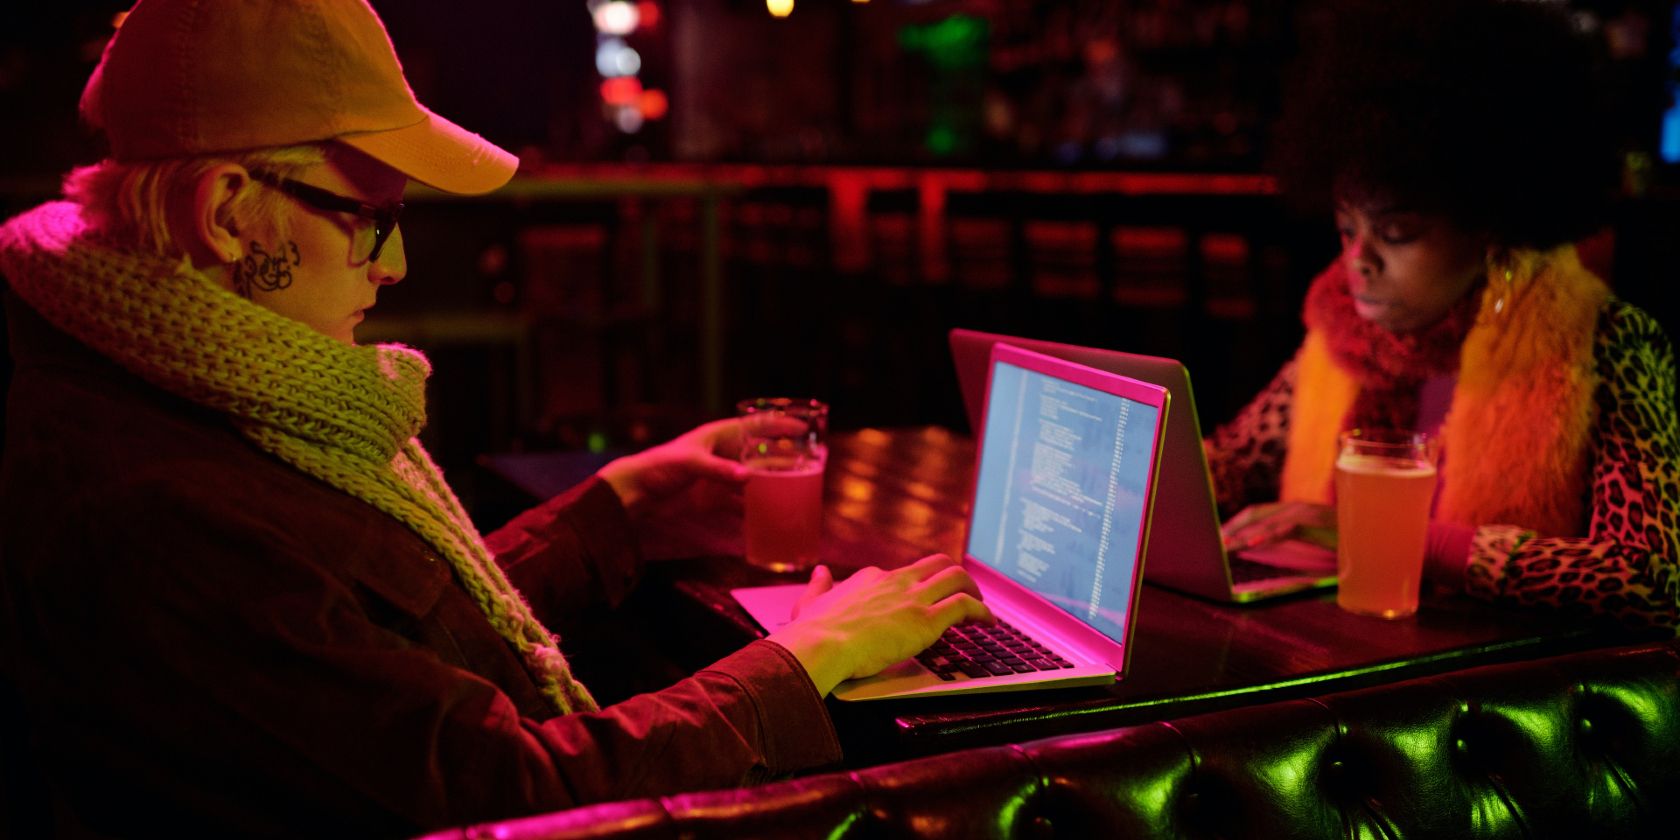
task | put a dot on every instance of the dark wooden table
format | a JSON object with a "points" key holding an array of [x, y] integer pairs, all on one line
{"points": [[895, 495]]}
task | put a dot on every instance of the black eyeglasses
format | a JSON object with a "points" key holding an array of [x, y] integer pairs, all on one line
{"points": [[384, 218]]}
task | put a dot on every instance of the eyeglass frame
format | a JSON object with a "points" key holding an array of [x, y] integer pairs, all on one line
{"points": [[384, 218]]}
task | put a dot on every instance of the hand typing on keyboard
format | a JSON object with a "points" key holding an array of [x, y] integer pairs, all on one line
{"points": [[875, 618], [1267, 523]]}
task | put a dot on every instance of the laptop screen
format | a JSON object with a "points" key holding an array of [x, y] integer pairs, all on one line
{"points": [[1061, 491]]}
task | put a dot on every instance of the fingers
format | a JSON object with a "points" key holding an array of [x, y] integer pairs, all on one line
{"points": [[721, 437], [1238, 522], [925, 583], [1261, 534], [880, 617], [947, 582], [822, 580], [929, 565], [951, 594], [922, 583], [865, 575], [1235, 536], [1319, 516], [961, 608], [720, 469], [1238, 539], [1251, 515], [1263, 523]]}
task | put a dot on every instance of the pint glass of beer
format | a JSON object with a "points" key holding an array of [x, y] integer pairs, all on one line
{"points": [[784, 444], [1385, 483]]}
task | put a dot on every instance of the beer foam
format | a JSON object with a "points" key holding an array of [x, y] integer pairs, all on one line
{"points": [[1377, 464], [785, 465]]}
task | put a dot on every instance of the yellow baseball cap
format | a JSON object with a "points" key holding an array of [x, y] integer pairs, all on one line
{"points": [[189, 77]]}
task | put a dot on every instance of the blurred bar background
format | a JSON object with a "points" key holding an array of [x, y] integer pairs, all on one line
{"points": [[727, 198]]}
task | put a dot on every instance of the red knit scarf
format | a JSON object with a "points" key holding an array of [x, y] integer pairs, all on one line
{"points": [[1389, 367]]}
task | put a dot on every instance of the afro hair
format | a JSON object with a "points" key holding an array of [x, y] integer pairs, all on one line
{"points": [[1489, 112]]}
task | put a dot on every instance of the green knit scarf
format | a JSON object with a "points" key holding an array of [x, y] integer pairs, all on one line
{"points": [[346, 415]]}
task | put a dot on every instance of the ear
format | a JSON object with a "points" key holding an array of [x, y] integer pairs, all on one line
{"points": [[208, 231]]}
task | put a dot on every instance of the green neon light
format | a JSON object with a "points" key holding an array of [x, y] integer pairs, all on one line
{"points": [[845, 825], [1011, 810], [1420, 746], [1643, 706], [1155, 797], [954, 43], [1291, 777], [1540, 727]]}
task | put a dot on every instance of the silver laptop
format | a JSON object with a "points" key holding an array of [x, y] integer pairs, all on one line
{"points": [[1058, 525], [1186, 551]]}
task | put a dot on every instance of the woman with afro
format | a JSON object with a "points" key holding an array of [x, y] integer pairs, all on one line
{"points": [[1463, 149]]}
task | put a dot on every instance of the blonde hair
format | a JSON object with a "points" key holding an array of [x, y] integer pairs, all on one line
{"points": [[128, 203]]}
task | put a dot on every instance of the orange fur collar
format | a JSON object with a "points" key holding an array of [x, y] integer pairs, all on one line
{"points": [[1515, 440]]}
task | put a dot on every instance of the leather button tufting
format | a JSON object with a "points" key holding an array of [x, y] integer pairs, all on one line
{"points": [[1339, 779], [1040, 826]]}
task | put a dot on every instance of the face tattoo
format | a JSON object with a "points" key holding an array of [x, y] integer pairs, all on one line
{"points": [[260, 270]]}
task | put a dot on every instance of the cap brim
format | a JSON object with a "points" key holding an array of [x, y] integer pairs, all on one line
{"points": [[440, 154]]}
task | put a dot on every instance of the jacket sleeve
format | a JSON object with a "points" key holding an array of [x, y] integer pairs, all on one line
{"points": [[571, 553], [577, 551], [1245, 456], [1628, 564]]}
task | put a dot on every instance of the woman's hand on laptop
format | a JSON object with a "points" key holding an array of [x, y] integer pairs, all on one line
{"points": [[875, 618], [1263, 524]]}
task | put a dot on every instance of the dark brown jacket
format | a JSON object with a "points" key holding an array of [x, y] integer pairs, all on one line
{"points": [[207, 640]]}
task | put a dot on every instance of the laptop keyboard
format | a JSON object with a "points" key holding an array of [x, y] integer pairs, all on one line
{"points": [[1249, 571], [988, 650]]}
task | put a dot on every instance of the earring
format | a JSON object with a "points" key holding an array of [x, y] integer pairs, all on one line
{"points": [[1501, 264], [1504, 290]]}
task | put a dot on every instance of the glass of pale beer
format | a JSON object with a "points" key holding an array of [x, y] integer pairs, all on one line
{"points": [[784, 445], [1385, 484]]}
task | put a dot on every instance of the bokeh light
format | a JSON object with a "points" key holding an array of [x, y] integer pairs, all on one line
{"points": [[623, 90], [654, 104], [614, 58], [617, 17]]}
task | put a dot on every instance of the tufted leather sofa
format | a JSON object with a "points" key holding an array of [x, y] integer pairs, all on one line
{"points": [[1584, 745]]}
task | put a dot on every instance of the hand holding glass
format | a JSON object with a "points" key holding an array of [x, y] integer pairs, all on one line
{"points": [[784, 445], [1385, 483]]}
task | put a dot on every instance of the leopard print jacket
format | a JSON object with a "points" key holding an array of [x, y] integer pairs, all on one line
{"points": [[1627, 566]]}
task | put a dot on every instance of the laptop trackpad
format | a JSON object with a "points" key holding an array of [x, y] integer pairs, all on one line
{"points": [[770, 606]]}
